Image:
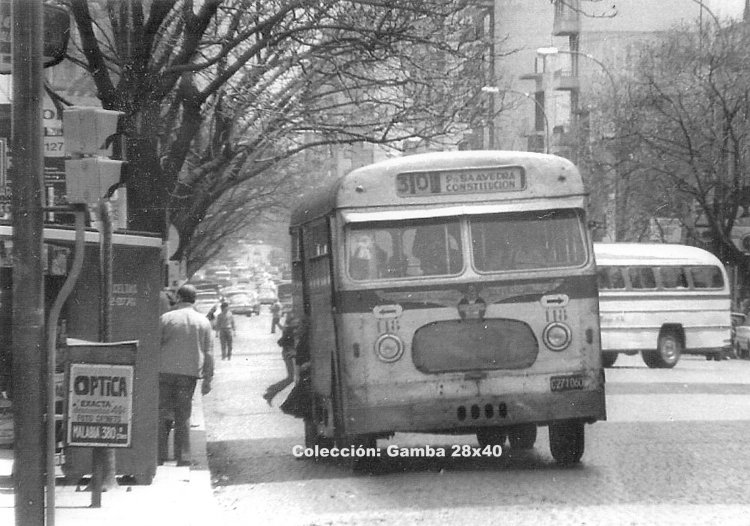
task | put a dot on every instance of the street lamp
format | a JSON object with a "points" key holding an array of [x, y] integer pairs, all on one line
{"points": [[613, 197], [496, 90]]}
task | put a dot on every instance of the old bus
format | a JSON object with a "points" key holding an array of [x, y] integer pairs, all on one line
{"points": [[452, 293], [662, 300]]}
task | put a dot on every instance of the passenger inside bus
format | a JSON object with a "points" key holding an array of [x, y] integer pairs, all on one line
{"points": [[437, 249], [368, 260]]}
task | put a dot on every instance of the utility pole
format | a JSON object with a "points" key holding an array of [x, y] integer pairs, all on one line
{"points": [[28, 279]]}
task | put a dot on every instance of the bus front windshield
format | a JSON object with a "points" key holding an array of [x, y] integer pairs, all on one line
{"points": [[398, 249], [500, 242], [528, 240]]}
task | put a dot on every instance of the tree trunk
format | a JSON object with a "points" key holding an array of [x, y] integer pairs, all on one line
{"points": [[148, 193]]}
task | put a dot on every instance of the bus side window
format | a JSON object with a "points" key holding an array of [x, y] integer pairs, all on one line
{"points": [[602, 278], [611, 278], [642, 278], [673, 278], [706, 277]]}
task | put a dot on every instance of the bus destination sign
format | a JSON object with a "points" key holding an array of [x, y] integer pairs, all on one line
{"points": [[452, 182]]}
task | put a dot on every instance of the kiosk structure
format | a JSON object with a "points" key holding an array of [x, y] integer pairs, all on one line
{"points": [[137, 275]]}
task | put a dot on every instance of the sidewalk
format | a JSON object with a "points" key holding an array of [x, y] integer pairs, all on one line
{"points": [[177, 495]]}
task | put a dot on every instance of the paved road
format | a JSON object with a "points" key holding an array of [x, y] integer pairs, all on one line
{"points": [[672, 452]]}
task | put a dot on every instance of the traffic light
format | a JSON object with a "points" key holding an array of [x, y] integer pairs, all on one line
{"points": [[89, 132]]}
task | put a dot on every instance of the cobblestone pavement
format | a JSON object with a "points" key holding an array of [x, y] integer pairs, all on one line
{"points": [[672, 452]]}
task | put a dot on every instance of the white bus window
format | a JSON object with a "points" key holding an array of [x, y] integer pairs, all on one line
{"points": [[642, 278], [706, 277], [398, 249], [610, 278], [673, 278], [528, 240]]}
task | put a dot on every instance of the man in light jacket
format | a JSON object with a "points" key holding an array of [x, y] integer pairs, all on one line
{"points": [[185, 356]]}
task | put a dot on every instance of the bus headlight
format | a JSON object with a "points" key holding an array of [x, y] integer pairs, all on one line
{"points": [[389, 347], [557, 336]]}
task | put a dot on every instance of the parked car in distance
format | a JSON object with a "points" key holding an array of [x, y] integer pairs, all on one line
{"points": [[223, 278], [204, 285], [267, 293], [243, 302], [205, 300]]}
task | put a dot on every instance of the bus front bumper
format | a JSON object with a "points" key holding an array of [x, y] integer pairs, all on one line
{"points": [[465, 415]]}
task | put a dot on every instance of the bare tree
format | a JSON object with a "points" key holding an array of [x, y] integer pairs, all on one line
{"points": [[682, 130], [218, 93]]}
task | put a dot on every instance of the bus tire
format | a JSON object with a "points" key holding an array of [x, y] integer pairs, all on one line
{"points": [[609, 359], [313, 438], [522, 437], [668, 350], [491, 436], [566, 442]]}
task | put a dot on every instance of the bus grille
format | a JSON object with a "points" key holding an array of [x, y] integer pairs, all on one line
{"points": [[470, 345]]}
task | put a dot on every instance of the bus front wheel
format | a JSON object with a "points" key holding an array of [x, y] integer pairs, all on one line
{"points": [[566, 442], [491, 436]]}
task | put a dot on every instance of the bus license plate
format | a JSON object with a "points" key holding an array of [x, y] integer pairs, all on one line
{"points": [[566, 383]]}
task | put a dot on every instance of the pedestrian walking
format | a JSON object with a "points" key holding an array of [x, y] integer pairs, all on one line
{"points": [[286, 342], [185, 356], [225, 330], [276, 316], [298, 402]]}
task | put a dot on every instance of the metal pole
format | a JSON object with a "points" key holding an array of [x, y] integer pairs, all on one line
{"points": [[28, 278], [103, 459], [544, 115], [495, 90], [54, 316]]}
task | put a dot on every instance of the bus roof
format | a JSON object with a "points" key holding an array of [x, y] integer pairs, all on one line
{"points": [[652, 254], [476, 174]]}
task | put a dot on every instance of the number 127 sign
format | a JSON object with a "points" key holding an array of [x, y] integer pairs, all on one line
{"points": [[100, 403]]}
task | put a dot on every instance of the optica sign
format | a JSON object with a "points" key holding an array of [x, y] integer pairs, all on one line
{"points": [[100, 402]]}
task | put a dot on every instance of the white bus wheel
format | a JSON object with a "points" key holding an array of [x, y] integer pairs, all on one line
{"points": [[609, 359], [669, 350]]}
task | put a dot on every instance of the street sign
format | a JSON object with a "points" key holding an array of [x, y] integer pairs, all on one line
{"points": [[54, 141]]}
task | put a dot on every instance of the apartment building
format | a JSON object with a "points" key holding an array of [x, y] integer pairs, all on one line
{"points": [[551, 55]]}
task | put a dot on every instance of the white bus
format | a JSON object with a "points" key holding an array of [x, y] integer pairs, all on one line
{"points": [[663, 300]]}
